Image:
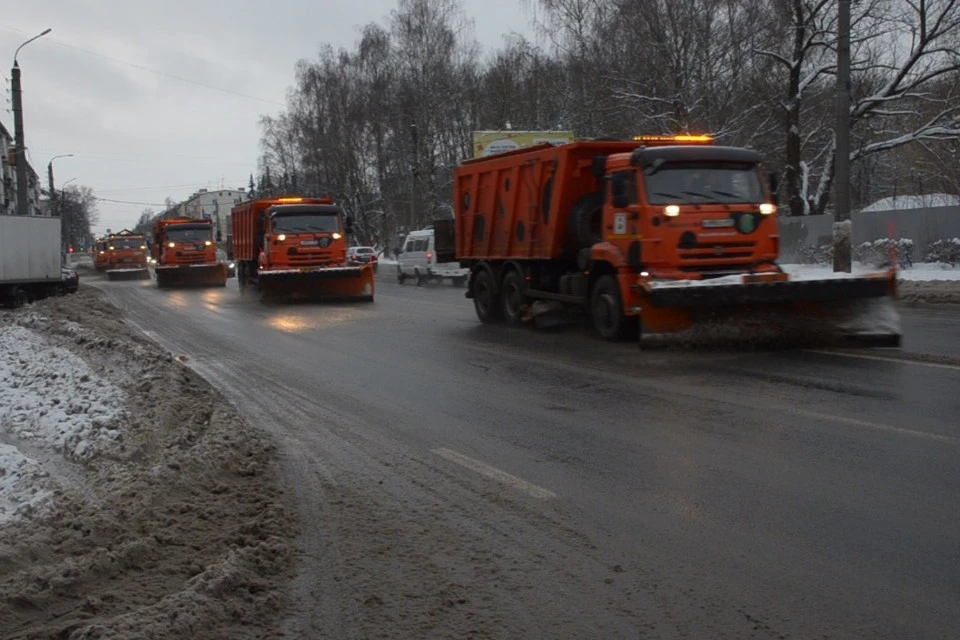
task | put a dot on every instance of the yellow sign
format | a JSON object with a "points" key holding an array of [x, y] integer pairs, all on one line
{"points": [[489, 143]]}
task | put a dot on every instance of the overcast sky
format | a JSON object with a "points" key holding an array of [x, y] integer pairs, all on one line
{"points": [[138, 135]]}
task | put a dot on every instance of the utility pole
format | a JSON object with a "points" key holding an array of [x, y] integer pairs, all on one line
{"points": [[842, 225], [413, 177], [21, 149]]}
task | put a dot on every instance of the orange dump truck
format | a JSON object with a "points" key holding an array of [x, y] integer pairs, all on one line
{"points": [[654, 234], [297, 248], [185, 254], [122, 256]]}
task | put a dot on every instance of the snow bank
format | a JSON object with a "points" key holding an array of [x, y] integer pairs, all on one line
{"points": [[139, 504], [920, 271], [52, 396], [21, 485]]}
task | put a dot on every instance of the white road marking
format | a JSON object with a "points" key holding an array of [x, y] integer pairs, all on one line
{"points": [[875, 426], [495, 474], [863, 356]]}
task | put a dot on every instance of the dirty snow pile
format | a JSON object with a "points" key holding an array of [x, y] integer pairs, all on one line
{"points": [[134, 502], [49, 394]]}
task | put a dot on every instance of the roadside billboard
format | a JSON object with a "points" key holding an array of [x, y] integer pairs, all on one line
{"points": [[488, 143]]}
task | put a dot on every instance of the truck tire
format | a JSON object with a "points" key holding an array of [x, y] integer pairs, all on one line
{"points": [[400, 276], [486, 302], [512, 299], [606, 310], [586, 220], [418, 277]]}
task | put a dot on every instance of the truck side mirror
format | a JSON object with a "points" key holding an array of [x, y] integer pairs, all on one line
{"points": [[618, 191], [348, 224], [773, 182]]}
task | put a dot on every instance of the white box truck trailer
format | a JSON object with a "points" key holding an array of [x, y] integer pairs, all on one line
{"points": [[29, 259]]}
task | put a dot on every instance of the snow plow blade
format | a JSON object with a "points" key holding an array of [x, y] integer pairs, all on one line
{"points": [[134, 273], [319, 283], [850, 309], [201, 275]]}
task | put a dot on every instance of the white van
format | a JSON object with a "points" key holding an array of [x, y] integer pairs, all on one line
{"points": [[418, 260]]}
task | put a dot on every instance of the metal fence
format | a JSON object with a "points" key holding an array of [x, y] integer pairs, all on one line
{"points": [[923, 226]]}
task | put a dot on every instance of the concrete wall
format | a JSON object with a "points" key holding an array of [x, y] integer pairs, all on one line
{"points": [[923, 226]]}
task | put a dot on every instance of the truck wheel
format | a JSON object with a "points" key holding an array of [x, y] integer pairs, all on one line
{"points": [[586, 218], [606, 310], [400, 276], [485, 301], [418, 276], [512, 298]]}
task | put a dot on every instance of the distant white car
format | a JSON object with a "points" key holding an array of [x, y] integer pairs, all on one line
{"points": [[418, 260]]}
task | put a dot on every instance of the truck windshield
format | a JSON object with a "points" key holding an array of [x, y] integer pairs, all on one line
{"points": [[306, 223], [188, 234], [127, 243], [703, 183]]}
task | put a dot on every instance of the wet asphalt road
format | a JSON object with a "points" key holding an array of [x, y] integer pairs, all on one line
{"points": [[469, 481]]}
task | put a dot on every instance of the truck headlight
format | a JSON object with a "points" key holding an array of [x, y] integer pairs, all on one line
{"points": [[336, 236], [671, 210], [172, 245], [282, 237], [766, 208]]}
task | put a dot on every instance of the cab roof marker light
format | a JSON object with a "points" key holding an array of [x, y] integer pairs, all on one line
{"points": [[290, 200], [679, 138]]}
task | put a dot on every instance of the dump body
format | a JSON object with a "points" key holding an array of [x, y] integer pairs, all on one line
{"points": [[615, 227], [29, 258], [185, 254], [297, 247]]}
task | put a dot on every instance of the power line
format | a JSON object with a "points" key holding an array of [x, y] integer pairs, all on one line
{"points": [[147, 69], [145, 204], [173, 186]]}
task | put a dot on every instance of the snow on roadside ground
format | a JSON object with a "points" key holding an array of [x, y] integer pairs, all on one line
{"points": [[134, 501], [925, 272], [49, 394], [22, 481], [924, 283]]}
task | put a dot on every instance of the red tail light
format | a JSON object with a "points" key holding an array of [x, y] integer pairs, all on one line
{"points": [[429, 256]]}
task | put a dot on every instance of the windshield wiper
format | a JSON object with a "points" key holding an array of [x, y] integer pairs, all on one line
{"points": [[696, 193], [665, 194]]}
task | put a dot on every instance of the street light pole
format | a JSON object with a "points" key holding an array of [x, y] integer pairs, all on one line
{"points": [[66, 220], [21, 150], [64, 235]]}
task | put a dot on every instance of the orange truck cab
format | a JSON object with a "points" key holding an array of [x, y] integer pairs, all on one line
{"points": [[121, 255], [185, 253], [627, 231], [297, 247]]}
